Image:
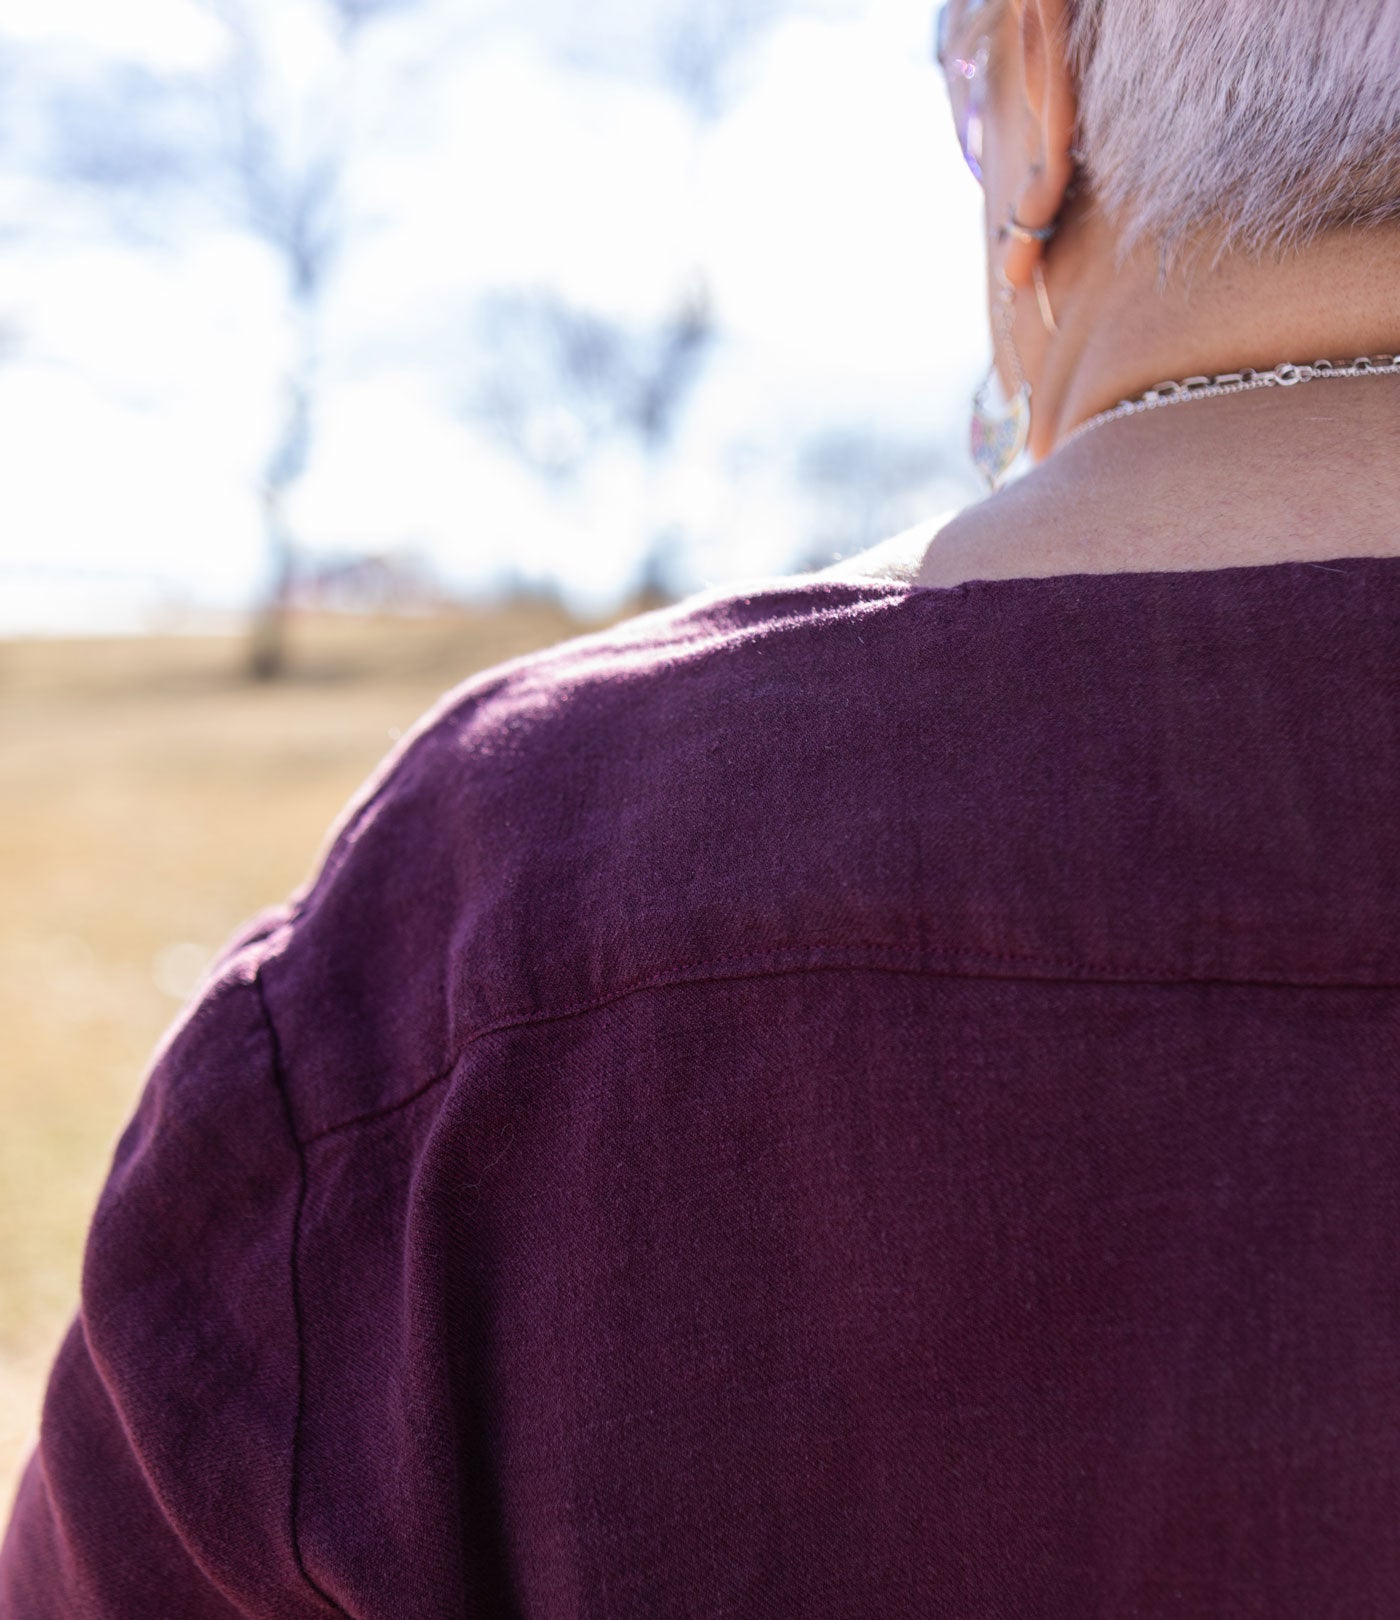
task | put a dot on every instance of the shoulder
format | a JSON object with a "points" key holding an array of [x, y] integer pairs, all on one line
{"points": [[573, 721], [517, 853]]}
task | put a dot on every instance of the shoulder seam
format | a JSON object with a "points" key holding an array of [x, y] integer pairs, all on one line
{"points": [[283, 1088]]}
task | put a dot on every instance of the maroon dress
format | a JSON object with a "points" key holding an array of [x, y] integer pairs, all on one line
{"points": [[826, 1100]]}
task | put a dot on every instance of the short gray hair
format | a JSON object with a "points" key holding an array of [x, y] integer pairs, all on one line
{"points": [[1253, 124]]}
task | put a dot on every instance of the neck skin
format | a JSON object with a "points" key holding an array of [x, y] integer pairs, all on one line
{"points": [[1278, 475], [1119, 334]]}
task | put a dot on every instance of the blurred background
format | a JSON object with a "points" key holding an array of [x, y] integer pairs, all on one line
{"points": [[348, 347]]}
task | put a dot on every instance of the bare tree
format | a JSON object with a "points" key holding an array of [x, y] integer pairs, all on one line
{"points": [[353, 15], [561, 383], [692, 48], [568, 381], [700, 44], [291, 194], [546, 355], [229, 140]]}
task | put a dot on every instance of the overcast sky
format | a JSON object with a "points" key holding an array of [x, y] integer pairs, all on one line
{"points": [[822, 198]]}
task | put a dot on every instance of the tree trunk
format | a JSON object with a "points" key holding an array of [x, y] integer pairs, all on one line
{"points": [[267, 649]]}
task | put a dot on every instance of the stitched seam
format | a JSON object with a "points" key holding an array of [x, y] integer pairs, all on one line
{"points": [[691, 974], [284, 1093]]}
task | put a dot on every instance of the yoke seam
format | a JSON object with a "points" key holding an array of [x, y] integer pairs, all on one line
{"points": [[692, 974]]}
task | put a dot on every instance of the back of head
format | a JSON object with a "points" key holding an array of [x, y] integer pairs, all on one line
{"points": [[1255, 124]]}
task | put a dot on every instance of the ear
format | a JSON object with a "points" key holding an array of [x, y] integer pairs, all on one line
{"points": [[1052, 106]]}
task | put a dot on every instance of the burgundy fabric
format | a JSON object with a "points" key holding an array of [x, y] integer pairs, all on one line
{"points": [[824, 1100]]}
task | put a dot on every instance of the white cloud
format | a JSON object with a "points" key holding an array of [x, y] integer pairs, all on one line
{"points": [[841, 221], [93, 484], [529, 173], [162, 34]]}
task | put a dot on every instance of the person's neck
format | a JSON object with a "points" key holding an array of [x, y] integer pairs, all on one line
{"points": [[1119, 333], [1283, 474], [1305, 473]]}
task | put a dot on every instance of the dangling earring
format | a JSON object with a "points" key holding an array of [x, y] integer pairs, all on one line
{"points": [[1047, 315], [1000, 436]]}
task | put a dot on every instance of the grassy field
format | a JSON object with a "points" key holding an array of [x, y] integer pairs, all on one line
{"points": [[151, 799]]}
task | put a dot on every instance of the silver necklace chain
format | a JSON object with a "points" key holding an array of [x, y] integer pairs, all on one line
{"points": [[1238, 382]]}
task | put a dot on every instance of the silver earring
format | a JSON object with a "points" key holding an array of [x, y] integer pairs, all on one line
{"points": [[1042, 297], [1029, 233], [998, 437]]}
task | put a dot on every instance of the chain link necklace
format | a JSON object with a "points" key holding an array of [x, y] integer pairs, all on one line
{"points": [[1238, 382]]}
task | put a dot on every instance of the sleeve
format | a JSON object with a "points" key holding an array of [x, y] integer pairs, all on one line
{"points": [[162, 1481]]}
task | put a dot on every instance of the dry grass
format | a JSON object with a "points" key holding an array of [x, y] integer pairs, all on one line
{"points": [[151, 799]]}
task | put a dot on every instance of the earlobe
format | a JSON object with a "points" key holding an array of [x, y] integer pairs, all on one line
{"points": [[1026, 247]]}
